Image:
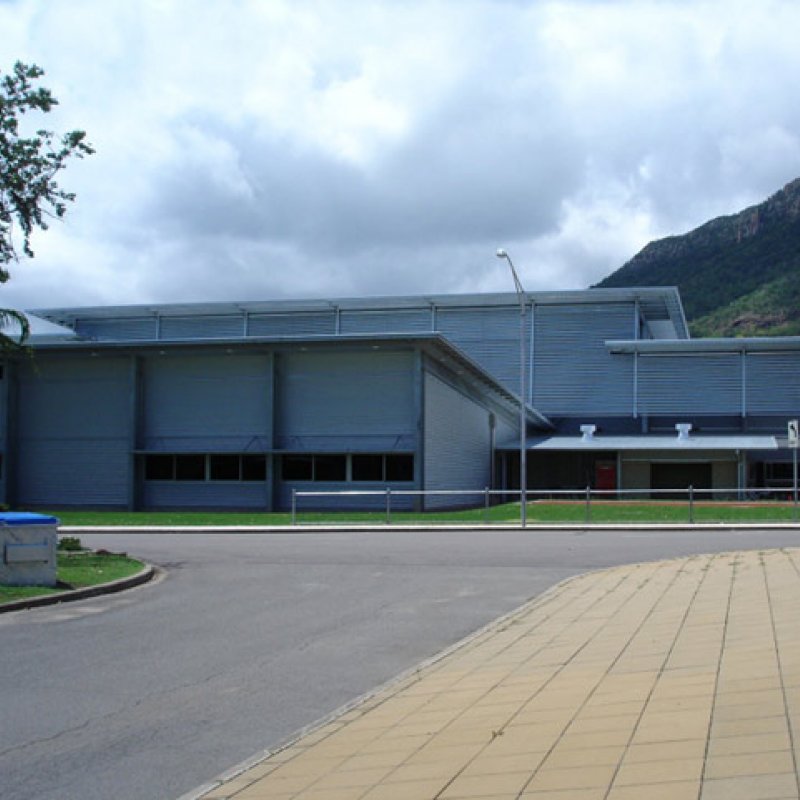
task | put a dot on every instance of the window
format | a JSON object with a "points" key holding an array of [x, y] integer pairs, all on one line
{"points": [[368, 467], [399, 467], [205, 467], [254, 467], [363, 467], [297, 468], [224, 467], [330, 468], [190, 468], [159, 468]]}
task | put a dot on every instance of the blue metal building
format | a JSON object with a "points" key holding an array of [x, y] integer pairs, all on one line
{"points": [[233, 405]]}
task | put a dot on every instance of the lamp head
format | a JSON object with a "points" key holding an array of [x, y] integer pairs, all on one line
{"points": [[501, 253]]}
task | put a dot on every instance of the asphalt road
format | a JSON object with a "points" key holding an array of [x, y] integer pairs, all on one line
{"points": [[148, 694]]}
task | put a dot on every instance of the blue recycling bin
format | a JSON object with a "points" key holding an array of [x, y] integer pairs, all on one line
{"points": [[28, 549]]}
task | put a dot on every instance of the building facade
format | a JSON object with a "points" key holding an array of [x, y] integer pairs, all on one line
{"points": [[235, 405]]}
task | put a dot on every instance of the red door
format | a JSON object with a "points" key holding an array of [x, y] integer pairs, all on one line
{"points": [[605, 475]]}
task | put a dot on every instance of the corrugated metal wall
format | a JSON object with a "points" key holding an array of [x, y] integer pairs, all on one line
{"points": [[133, 329], [574, 374], [342, 401], [490, 336], [457, 443], [385, 321], [221, 326], [74, 427], [299, 324], [773, 383], [207, 403], [198, 494], [687, 384]]}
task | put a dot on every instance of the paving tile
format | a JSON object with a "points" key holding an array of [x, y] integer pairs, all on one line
{"points": [[647, 772], [778, 761], [675, 790], [759, 787], [563, 758], [597, 793], [666, 751], [476, 786], [744, 745], [585, 778]]}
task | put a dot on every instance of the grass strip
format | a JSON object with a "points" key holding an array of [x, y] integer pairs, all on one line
{"points": [[77, 571], [544, 512]]}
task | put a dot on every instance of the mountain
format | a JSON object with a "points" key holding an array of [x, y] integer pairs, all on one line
{"points": [[738, 275]]}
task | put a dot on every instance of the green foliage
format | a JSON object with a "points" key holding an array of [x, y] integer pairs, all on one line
{"points": [[69, 543], [29, 193], [771, 310]]}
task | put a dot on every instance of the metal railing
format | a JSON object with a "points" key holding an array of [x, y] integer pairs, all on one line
{"points": [[547, 506]]}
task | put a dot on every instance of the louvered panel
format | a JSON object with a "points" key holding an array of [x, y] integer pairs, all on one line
{"points": [[385, 321], [773, 383], [223, 327], [73, 428], [490, 336], [207, 403], [74, 397], [200, 494], [574, 374], [296, 324], [345, 395], [123, 330], [686, 384], [59, 471], [457, 444]]}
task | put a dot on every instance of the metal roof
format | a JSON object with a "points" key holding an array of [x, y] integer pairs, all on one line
{"points": [[689, 346], [656, 303], [645, 442]]}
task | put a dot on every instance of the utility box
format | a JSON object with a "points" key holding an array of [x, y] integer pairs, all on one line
{"points": [[28, 549]]}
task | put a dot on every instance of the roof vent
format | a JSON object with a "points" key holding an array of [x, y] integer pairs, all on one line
{"points": [[683, 429], [588, 432]]}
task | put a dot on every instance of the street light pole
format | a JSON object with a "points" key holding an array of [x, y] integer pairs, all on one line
{"points": [[523, 467]]}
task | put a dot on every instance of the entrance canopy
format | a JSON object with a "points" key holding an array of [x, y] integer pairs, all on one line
{"points": [[645, 442]]}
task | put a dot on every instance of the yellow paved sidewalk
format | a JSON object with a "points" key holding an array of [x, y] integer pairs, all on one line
{"points": [[675, 680]]}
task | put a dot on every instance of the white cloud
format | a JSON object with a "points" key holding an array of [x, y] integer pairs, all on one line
{"points": [[301, 148]]}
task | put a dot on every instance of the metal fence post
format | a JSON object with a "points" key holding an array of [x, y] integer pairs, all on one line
{"points": [[691, 505], [388, 506], [486, 505], [294, 507], [588, 505]]}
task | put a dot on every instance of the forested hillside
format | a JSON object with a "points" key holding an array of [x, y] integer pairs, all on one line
{"points": [[738, 275]]}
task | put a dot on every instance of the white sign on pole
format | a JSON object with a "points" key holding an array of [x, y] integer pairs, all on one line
{"points": [[794, 433]]}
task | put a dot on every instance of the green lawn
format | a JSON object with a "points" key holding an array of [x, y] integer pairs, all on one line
{"points": [[541, 512], [78, 570]]}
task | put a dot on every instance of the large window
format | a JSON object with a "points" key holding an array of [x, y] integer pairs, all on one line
{"points": [[341, 468], [205, 467]]}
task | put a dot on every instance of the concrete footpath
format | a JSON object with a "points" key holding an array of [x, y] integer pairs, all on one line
{"points": [[678, 679]]}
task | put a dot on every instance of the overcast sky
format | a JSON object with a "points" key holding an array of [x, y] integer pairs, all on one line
{"points": [[269, 149]]}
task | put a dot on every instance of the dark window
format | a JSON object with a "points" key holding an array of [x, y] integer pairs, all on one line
{"points": [[159, 468], [297, 468], [190, 468], [368, 467], [254, 468], [223, 468], [330, 468], [399, 468]]}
